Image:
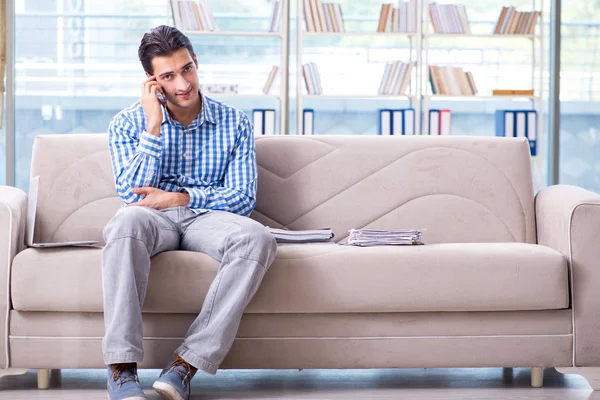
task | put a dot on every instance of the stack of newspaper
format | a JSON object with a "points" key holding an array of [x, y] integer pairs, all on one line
{"points": [[301, 236], [376, 237]]}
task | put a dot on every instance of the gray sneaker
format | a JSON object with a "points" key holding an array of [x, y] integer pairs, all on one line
{"points": [[123, 383], [174, 381]]}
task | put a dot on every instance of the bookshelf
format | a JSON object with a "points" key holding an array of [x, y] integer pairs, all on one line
{"points": [[278, 30], [303, 32], [419, 45]]}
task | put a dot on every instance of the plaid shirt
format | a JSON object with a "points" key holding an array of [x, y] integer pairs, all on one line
{"points": [[213, 159]]}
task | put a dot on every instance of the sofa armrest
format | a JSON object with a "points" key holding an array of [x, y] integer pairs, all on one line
{"points": [[568, 220], [13, 211]]}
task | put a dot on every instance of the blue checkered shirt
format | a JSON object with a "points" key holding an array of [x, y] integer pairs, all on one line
{"points": [[213, 159]]}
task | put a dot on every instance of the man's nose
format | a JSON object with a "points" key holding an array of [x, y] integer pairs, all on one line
{"points": [[181, 84]]}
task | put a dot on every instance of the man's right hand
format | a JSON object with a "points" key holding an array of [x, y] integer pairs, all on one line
{"points": [[151, 105]]}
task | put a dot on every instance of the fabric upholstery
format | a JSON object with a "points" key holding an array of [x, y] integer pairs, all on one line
{"points": [[568, 220], [317, 278], [492, 323], [327, 352], [448, 185], [13, 208]]}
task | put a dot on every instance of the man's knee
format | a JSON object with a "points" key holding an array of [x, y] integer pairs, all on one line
{"points": [[261, 245], [134, 222]]}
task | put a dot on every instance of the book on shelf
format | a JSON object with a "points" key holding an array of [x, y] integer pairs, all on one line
{"points": [[323, 17], [518, 123], [449, 18], [513, 22], [301, 236], [270, 79], [398, 19], [312, 79], [451, 81], [440, 122], [275, 23], [396, 78], [191, 15], [513, 92]]}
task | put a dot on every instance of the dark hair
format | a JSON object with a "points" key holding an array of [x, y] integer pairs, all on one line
{"points": [[162, 41]]}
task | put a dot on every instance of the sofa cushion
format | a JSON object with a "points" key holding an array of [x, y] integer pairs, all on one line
{"points": [[317, 278]]}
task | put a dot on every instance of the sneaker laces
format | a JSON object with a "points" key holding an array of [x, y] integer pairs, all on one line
{"points": [[118, 370], [180, 362]]}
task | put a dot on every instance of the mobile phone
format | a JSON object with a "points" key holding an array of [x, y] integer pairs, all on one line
{"points": [[161, 97]]}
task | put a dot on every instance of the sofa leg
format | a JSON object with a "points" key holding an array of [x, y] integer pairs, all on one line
{"points": [[591, 374], [43, 378], [537, 377]]}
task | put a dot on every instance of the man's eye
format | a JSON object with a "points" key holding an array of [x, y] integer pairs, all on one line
{"points": [[166, 78], [188, 69]]}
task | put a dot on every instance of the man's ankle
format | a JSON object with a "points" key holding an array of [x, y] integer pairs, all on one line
{"points": [[123, 366]]}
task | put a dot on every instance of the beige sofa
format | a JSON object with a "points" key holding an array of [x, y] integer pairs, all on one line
{"points": [[506, 280]]}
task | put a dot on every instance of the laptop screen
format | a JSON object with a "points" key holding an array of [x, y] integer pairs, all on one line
{"points": [[31, 208]]}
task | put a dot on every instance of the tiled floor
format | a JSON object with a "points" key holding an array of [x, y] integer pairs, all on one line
{"points": [[431, 384]]}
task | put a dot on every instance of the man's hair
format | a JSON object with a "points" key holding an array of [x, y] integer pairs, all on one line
{"points": [[162, 41]]}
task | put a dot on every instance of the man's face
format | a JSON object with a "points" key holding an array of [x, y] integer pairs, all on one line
{"points": [[177, 75]]}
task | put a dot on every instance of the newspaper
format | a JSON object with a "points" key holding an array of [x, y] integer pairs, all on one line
{"points": [[378, 237]]}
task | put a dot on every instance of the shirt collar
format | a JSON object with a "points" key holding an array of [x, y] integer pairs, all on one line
{"points": [[206, 114]]}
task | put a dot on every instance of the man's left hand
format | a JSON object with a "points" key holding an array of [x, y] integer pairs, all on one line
{"points": [[159, 199]]}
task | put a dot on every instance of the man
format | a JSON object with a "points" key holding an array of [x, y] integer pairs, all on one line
{"points": [[185, 168]]}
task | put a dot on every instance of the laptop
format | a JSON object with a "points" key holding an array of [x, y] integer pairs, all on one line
{"points": [[31, 212]]}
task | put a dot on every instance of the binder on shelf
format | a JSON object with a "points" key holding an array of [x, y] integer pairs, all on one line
{"points": [[385, 122], [434, 122], [397, 121], [258, 117], [518, 123], [532, 119], [308, 121], [505, 123], [445, 122], [264, 121]]}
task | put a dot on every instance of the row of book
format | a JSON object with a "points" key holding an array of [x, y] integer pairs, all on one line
{"points": [[263, 121], [397, 122], [513, 22], [400, 19], [518, 123], [396, 78], [449, 18], [190, 15], [451, 81], [323, 17], [312, 79]]}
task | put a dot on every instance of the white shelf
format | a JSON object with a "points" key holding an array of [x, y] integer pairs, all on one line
{"points": [[477, 97], [244, 95], [386, 34], [477, 35], [357, 96], [233, 33]]}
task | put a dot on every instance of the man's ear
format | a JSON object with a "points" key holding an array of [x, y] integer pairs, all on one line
{"points": [[148, 75]]}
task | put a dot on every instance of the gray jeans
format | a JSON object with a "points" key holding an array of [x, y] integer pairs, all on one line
{"points": [[244, 247]]}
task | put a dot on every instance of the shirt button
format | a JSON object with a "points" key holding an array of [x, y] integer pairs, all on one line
{"points": [[184, 155]]}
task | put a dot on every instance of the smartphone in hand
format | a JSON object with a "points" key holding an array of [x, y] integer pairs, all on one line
{"points": [[161, 97]]}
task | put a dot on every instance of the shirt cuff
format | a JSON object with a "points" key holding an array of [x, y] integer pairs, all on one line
{"points": [[197, 197], [150, 144]]}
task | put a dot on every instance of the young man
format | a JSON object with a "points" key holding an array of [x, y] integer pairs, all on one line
{"points": [[185, 168]]}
